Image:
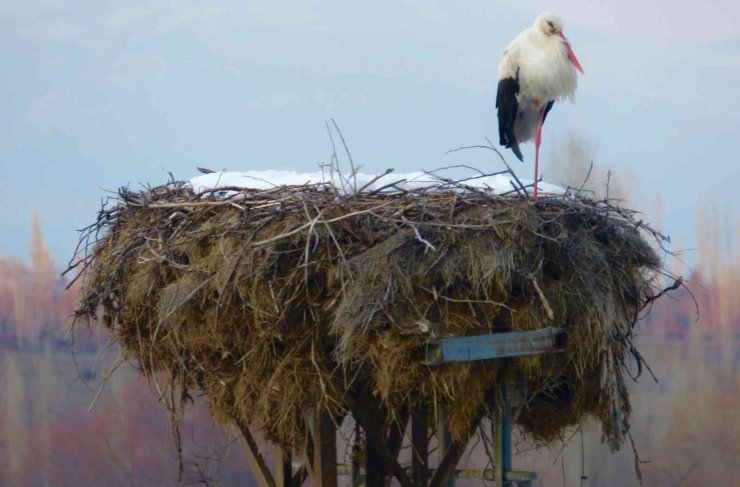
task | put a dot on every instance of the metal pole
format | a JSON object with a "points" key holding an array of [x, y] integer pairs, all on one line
{"points": [[503, 439]]}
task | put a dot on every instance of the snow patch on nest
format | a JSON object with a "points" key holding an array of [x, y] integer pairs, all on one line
{"points": [[359, 182]]}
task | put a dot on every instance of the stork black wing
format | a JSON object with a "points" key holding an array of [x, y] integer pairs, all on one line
{"points": [[548, 107], [507, 108]]}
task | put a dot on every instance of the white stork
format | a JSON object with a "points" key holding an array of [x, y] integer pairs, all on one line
{"points": [[537, 68]]}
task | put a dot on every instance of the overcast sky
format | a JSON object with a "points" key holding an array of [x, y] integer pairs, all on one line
{"points": [[94, 94]]}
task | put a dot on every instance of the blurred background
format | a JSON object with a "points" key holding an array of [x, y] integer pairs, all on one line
{"points": [[99, 95]]}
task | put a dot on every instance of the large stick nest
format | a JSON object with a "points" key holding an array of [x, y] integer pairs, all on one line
{"points": [[274, 303]]}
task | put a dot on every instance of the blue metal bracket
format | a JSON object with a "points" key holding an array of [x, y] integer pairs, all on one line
{"points": [[495, 345]]}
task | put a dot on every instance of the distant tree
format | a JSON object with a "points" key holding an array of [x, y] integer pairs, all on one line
{"points": [[569, 165], [34, 304], [43, 291]]}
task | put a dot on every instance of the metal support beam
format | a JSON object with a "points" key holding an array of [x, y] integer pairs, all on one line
{"points": [[486, 347], [503, 439], [496, 345], [465, 473]]}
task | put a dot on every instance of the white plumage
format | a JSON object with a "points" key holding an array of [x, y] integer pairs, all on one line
{"points": [[537, 68], [545, 72]]}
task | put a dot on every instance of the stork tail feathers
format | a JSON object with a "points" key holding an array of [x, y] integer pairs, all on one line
{"points": [[515, 149]]}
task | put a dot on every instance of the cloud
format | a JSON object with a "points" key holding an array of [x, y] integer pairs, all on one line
{"points": [[292, 12], [720, 59], [645, 49], [160, 17], [273, 101], [131, 68], [126, 17], [284, 99], [47, 31], [657, 21], [31, 9], [43, 105], [51, 20], [174, 14]]}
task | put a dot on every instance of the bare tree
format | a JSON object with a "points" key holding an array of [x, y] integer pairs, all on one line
{"points": [[573, 163]]}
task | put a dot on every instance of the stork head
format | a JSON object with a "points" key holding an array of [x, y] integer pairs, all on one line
{"points": [[549, 24]]}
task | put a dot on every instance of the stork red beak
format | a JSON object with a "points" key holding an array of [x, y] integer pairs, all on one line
{"points": [[571, 54]]}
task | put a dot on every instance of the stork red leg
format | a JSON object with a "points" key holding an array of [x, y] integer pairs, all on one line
{"points": [[537, 140]]}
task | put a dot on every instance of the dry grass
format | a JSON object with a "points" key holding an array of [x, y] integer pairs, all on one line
{"points": [[274, 303]]}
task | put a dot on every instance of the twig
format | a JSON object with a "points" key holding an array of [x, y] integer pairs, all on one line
{"points": [[119, 361], [543, 299], [421, 239], [349, 155], [588, 175], [370, 183]]}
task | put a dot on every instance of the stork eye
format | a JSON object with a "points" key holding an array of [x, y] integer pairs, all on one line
{"points": [[550, 24]]}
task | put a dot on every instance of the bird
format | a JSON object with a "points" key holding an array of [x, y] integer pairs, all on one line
{"points": [[536, 69]]}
